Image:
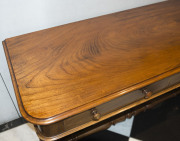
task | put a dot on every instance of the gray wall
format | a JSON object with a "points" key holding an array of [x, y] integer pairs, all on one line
{"points": [[23, 16]]}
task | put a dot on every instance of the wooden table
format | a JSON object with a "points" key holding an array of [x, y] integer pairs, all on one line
{"points": [[73, 80]]}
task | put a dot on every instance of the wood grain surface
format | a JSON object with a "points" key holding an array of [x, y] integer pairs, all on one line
{"points": [[62, 71]]}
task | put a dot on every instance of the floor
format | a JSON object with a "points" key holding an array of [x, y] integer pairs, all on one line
{"points": [[162, 123], [26, 132], [23, 132]]}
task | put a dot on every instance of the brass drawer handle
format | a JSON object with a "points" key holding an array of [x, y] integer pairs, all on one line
{"points": [[96, 115], [147, 93]]}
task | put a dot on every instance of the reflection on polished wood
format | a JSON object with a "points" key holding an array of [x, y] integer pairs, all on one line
{"points": [[105, 64]]}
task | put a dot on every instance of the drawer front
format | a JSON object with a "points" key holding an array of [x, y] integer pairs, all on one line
{"points": [[158, 86], [175, 79], [103, 109], [164, 83]]}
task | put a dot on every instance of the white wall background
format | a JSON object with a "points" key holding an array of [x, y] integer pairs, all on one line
{"points": [[23, 16]]}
